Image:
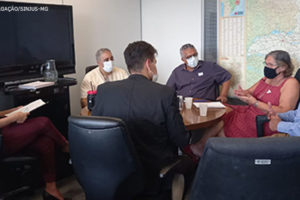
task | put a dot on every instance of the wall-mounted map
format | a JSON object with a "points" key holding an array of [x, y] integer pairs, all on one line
{"points": [[249, 29]]}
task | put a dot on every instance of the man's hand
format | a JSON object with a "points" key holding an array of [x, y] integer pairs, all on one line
{"points": [[223, 99], [85, 111], [83, 102], [274, 122]]}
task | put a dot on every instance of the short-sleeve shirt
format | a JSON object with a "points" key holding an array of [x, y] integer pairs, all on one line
{"points": [[203, 82], [95, 78]]}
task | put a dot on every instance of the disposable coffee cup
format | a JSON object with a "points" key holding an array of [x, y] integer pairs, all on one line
{"points": [[203, 109], [188, 102]]}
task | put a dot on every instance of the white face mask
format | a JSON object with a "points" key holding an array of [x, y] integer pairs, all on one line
{"points": [[192, 61], [108, 66], [154, 77]]}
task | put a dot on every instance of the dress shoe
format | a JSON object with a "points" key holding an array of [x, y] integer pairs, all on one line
{"points": [[47, 196]]}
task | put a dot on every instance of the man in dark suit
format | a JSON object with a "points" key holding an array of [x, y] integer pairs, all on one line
{"points": [[149, 109]]}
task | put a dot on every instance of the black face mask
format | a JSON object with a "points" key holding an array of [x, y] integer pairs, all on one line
{"points": [[270, 73]]}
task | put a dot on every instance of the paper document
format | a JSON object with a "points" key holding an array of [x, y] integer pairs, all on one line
{"points": [[29, 107], [210, 104], [36, 85]]}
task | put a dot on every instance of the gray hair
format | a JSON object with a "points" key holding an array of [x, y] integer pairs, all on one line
{"points": [[282, 59], [100, 52], [184, 47]]}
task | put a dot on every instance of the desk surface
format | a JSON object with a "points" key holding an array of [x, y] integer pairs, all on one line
{"points": [[61, 82], [192, 119]]}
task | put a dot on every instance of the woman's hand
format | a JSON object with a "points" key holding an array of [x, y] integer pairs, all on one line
{"points": [[271, 113], [249, 99], [20, 117], [245, 96], [16, 108], [240, 92]]}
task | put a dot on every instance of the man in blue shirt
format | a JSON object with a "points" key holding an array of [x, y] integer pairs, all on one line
{"points": [[287, 123], [199, 79]]}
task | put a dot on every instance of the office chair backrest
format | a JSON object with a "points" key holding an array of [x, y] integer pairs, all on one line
{"points": [[90, 68], [248, 168], [103, 158]]}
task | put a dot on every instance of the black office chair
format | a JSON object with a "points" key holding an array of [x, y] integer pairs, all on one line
{"points": [[107, 166], [261, 119], [17, 174], [248, 168], [104, 159], [90, 68]]}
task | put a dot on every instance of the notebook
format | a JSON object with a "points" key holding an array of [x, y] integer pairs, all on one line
{"points": [[216, 104]]}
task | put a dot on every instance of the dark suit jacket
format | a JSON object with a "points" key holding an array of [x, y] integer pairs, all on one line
{"points": [[151, 113]]}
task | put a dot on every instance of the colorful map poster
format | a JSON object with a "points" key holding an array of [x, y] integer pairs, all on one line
{"points": [[232, 8], [266, 25]]}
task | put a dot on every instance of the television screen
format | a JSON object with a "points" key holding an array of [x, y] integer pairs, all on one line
{"points": [[30, 35]]}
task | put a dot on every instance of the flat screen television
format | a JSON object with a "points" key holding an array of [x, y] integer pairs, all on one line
{"points": [[31, 34]]}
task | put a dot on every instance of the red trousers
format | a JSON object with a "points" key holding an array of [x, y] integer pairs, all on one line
{"points": [[36, 135]]}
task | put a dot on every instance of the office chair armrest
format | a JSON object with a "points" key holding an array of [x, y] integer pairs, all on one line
{"points": [[183, 165], [164, 171], [260, 120]]}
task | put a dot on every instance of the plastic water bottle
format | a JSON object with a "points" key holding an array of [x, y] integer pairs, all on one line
{"points": [[91, 98]]}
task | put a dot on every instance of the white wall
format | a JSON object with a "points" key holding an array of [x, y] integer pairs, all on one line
{"points": [[101, 23], [167, 25], [97, 24]]}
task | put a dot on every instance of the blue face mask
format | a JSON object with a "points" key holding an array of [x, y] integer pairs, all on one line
{"points": [[270, 73]]}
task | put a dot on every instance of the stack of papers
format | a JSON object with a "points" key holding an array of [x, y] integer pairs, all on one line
{"points": [[36, 85], [29, 107], [210, 104]]}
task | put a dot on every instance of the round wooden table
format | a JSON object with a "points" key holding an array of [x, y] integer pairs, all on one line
{"points": [[193, 121]]}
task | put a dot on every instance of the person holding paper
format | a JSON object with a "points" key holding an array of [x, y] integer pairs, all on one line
{"points": [[38, 135], [277, 87], [198, 78], [106, 71]]}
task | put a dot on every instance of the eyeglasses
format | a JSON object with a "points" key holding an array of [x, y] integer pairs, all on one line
{"points": [[270, 64]]}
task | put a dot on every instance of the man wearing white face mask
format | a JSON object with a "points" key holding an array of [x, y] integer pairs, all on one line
{"points": [[199, 79], [103, 73]]}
